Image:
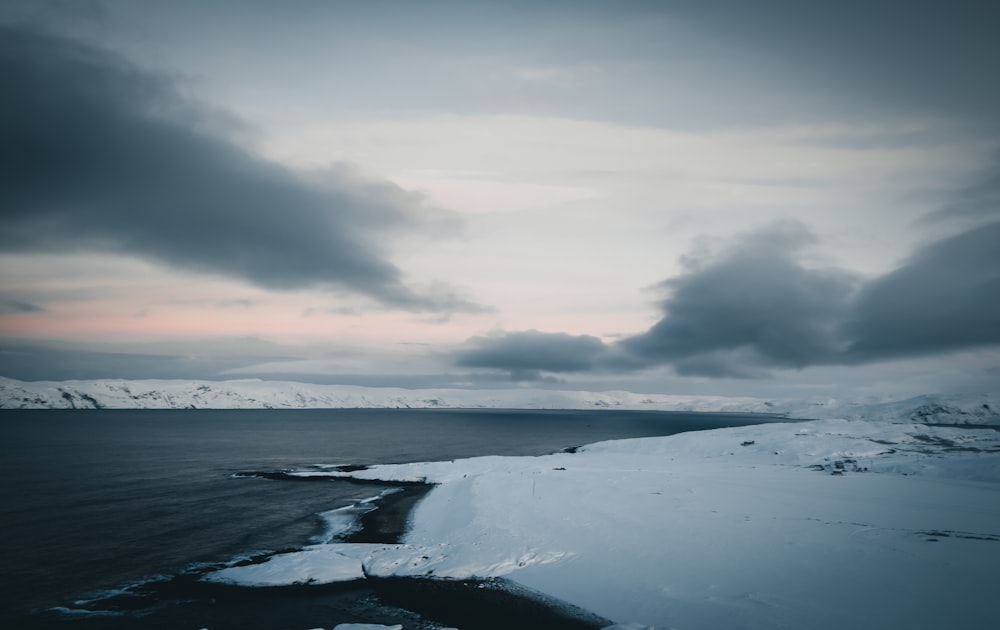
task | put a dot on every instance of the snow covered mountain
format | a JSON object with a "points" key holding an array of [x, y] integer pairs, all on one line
{"points": [[256, 394]]}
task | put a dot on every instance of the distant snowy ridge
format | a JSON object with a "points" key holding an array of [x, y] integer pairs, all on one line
{"points": [[256, 394]]}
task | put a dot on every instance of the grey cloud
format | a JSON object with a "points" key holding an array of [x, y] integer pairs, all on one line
{"points": [[408, 381], [96, 154], [531, 376], [755, 306], [946, 297], [755, 301], [217, 359], [763, 62], [979, 201], [527, 354], [743, 363], [919, 57], [9, 306], [66, 14], [35, 362]]}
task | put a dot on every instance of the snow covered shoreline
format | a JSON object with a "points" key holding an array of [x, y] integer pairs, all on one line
{"points": [[255, 394], [875, 514], [822, 524]]}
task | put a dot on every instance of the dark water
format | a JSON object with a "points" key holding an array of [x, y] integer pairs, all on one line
{"points": [[94, 500]]}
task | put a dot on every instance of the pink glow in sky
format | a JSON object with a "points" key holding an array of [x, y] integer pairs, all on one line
{"points": [[638, 195]]}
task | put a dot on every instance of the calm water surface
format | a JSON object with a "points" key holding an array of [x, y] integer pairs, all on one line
{"points": [[94, 500]]}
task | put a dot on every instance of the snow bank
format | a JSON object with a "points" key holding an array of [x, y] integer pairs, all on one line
{"points": [[823, 524]]}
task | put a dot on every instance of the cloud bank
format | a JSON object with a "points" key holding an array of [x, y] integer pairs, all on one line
{"points": [[756, 306], [99, 155], [527, 354], [946, 297], [900, 56]]}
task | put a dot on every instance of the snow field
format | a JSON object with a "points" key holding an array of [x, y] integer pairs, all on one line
{"points": [[768, 526]]}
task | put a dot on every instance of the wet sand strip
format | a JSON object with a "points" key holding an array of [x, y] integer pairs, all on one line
{"points": [[468, 604], [388, 522]]}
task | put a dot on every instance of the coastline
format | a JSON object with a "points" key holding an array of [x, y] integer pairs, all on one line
{"points": [[199, 506], [876, 511], [418, 603]]}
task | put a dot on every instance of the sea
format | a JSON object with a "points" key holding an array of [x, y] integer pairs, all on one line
{"points": [[108, 517]]}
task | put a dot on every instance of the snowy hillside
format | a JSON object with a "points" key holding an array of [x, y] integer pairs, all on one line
{"points": [[255, 394]]}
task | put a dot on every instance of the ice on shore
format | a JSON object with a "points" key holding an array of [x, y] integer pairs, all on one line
{"points": [[318, 564], [821, 524]]}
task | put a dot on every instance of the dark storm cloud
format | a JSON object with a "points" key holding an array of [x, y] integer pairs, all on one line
{"points": [[945, 298], [753, 304], [526, 354], [96, 154]]}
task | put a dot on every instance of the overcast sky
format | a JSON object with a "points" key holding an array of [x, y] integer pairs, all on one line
{"points": [[716, 196]]}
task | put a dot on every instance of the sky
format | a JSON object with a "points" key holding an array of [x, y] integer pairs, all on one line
{"points": [[773, 198]]}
